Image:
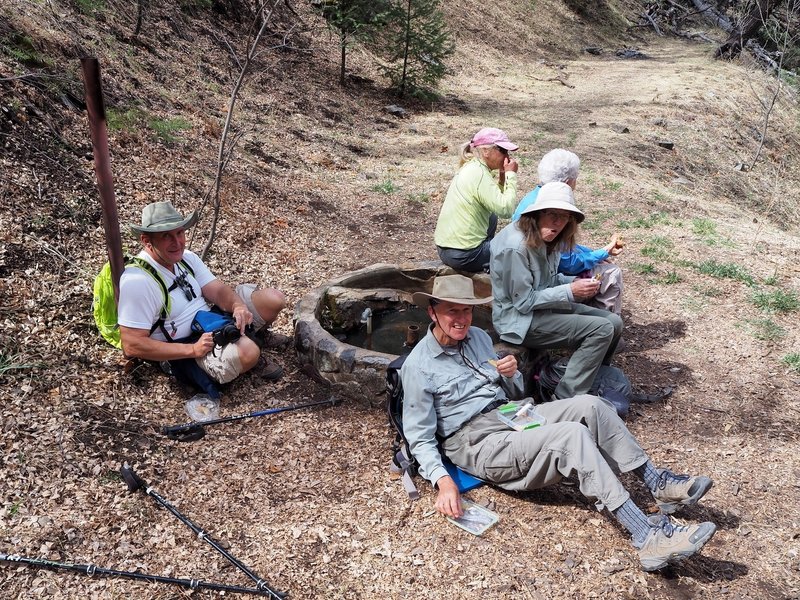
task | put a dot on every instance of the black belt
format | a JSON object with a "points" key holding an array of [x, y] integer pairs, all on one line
{"points": [[492, 405], [486, 409]]}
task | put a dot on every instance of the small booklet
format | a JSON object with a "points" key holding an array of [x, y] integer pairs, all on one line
{"points": [[476, 518], [520, 416]]}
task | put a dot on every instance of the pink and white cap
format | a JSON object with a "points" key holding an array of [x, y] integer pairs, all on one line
{"points": [[492, 135]]}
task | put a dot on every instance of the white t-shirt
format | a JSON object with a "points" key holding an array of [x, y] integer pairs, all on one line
{"points": [[141, 299]]}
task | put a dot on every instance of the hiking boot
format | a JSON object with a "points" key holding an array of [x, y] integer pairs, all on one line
{"points": [[673, 491], [270, 340], [269, 370], [669, 544]]}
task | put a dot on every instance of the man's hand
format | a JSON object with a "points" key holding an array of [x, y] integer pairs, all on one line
{"points": [[448, 500], [242, 317], [583, 288], [507, 366], [203, 346]]}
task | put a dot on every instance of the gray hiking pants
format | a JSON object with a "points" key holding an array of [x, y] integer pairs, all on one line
{"points": [[583, 435], [592, 332]]}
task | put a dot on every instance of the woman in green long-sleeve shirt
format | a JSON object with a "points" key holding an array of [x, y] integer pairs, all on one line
{"points": [[468, 219]]}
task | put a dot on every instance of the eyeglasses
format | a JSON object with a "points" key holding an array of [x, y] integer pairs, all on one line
{"points": [[555, 214], [502, 150]]}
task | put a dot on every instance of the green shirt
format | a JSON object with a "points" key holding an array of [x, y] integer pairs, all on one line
{"points": [[474, 195]]}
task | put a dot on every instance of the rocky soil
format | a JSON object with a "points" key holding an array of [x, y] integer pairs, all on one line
{"points": [[324, 181]]}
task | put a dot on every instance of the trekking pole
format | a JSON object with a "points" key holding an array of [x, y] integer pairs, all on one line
{"points": [[134, 483], [190, 432], [91, 570]]}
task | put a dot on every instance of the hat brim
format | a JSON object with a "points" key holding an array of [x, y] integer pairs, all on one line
{"points": [[559, 204], [507, 146], [421, 299], [168, 226]]}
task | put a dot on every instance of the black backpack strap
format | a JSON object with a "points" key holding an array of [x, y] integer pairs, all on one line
{"points": [[403, 463]]}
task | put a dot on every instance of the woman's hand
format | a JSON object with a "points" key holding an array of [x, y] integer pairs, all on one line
{"points": [[583, 288], [509, 164], [614, 247]]}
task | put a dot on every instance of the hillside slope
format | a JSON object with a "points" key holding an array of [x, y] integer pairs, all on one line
{"points": [[323, 180]]}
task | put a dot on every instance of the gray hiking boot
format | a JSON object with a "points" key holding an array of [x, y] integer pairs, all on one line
{"points": [[669, 544], [673, 491]]}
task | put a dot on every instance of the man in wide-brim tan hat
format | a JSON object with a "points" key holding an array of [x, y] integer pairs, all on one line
{"points": [[453, 385], [151, 330]]}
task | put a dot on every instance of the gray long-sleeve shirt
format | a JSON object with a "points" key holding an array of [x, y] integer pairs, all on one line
{"points": [[524, 280], [441, 393]]}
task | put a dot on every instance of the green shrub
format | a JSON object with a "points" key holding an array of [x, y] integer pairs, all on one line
{"points": [[657, 248], [648, 222], [643, 268]]}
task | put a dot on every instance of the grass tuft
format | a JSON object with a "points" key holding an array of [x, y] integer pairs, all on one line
{"points": [[792, 361], [13, 361], [766, 329], [776, 300], [725, 271], [386, 187]]}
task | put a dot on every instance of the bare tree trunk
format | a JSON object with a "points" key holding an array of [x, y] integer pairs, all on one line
{"points": [[406, 50], [747, 29], [343, 45], [223, 155]]}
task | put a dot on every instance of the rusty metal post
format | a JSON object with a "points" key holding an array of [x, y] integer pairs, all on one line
{"points": [[102, 166]]}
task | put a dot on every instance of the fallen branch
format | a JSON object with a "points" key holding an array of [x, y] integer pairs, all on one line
{"points": [[558, 79], [650, 18]]}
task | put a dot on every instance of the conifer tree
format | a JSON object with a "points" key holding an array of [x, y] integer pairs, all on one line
{"points": [[353, 20], [416, 45]]}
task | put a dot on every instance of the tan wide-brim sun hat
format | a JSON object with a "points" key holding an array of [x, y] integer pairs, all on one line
{"points": [[555, 194], [162, 216], [450, 288]]}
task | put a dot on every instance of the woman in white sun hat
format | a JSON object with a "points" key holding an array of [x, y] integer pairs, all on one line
{"points": [[536, 306]]}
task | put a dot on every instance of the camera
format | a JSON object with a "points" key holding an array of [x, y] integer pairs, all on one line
{"points": [[227, 334]]}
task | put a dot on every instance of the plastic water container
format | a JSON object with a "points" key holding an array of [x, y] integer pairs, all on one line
{"points": [[202, 407]]}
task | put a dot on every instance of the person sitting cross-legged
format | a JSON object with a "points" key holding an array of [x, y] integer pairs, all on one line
{"points": [[191, 288], [453, 384], [539, 308], [562, 165]]}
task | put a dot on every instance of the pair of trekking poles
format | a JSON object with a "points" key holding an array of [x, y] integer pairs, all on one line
{"points": [[136, 483], [184, 433]]}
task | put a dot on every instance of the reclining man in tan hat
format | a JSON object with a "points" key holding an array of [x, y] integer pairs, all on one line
{"points": [[191, 287], [453, 384]]}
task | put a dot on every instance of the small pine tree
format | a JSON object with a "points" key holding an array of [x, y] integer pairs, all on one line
{"points": [[353, 20], [416, 45]]}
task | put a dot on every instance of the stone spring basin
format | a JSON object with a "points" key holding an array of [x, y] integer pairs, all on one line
{"points": [[330, 329]]}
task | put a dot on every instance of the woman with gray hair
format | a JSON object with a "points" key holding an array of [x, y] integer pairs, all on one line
{"points": [[468, 219]]}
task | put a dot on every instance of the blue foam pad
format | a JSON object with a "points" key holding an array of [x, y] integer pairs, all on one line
{"points": [[464, 480]]}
